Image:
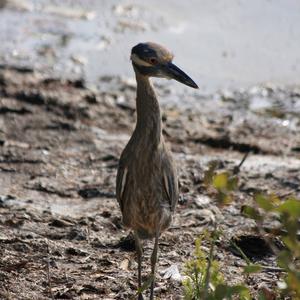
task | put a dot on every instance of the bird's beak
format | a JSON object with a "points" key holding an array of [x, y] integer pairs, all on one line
{"points": [[174, 72]]}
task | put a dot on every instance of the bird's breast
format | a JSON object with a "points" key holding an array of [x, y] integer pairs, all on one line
{"points": [[145, 206]]}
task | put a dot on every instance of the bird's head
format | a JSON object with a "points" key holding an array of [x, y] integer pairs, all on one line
{"points": [[153, 60]]}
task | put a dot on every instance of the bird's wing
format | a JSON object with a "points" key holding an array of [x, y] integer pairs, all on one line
{"points": [[170, 184], [121, 184]]}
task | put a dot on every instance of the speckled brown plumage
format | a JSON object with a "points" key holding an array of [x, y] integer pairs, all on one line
{"points": [[147, 188], [149, 193]]}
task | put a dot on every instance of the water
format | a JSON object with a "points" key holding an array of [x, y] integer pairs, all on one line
{"points": [[219, 43]]}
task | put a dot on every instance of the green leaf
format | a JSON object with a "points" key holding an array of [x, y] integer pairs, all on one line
{"points": [[232, 183], [252, 268], [292, 243], [223, 198], [224, 291], [291, 207], [264, 202], [220, 181], [240, 290], [293, 282], [208, 175], [284, 258], [251, 212], [261, 296], [220, 291]]}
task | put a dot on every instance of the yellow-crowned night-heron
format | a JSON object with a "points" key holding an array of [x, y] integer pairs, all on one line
{"points": [[147, 189]]}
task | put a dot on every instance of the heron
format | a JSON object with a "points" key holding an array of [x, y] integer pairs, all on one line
{"points": [[147, 184]]}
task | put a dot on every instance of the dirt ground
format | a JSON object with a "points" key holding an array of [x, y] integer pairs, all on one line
{"points": [[61, 235]]}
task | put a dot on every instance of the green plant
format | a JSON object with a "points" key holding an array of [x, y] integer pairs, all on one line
{"points": [[204, 279], [287, 212], [222, 183]]}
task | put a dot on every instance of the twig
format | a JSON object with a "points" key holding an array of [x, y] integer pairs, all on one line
{"points": [[48, 272], [264, 268], [88, 232], [237, 168], [272, 269], [245, 257], [285, 194]]}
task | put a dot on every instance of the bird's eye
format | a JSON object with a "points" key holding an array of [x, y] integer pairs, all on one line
{"points": [[153, 61]]}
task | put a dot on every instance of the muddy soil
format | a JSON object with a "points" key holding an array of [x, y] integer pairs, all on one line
{"points": [[61, 235]]}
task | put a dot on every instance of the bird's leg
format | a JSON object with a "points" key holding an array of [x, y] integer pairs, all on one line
{"points": [[153, 264], [139, 251]]}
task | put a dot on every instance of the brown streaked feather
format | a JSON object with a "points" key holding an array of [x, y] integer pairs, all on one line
{"points": [[147, 192], [124, 177], [121, 184], [170, 182], [166, 186]]}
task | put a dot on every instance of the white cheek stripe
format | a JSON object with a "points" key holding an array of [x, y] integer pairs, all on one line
{"points": [[139, 61]]}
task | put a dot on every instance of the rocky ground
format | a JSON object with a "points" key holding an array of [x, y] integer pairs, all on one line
{"points": [[61, 235]]}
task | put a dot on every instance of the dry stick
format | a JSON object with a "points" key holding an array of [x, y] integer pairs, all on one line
{"points": [[272, 269], [88, 232], [285, 194], [248, 261], [48, 272], [237, 169], [264, 268], [244, 256]]}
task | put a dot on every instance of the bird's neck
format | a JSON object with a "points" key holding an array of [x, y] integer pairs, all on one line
{"points": [[148, 124]]}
